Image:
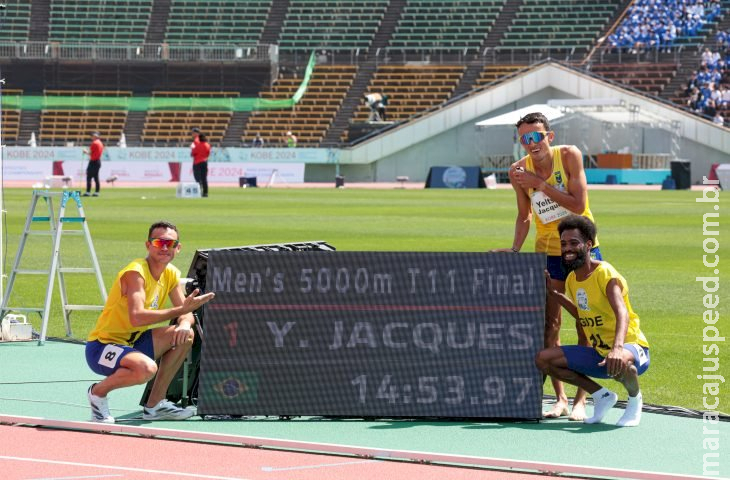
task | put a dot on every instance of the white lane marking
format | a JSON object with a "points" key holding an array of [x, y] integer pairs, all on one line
{"points": [[76, 478], [112, 467], [323, 465]]}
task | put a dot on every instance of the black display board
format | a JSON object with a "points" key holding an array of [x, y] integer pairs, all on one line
{"points": [[373, 334]]}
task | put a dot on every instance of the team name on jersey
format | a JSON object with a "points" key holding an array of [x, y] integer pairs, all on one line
{"points": [[596, 321]]}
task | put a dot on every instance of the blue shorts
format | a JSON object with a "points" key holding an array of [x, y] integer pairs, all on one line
{"points": [[555, 264], [104, 358], [585, 360]]}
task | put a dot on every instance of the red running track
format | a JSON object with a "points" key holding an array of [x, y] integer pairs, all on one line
{"points": [[47, 454]]}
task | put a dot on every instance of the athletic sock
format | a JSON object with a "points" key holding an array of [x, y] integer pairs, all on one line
{"points": [[603, 400], [632, 415]]}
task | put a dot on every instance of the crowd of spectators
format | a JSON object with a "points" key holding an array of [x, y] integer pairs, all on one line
{"points": [[708, 89], [657, 24]]}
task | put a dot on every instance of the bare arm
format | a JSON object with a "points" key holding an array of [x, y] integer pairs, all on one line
{"points": [[614, 360], [576, 195], [524, 211], [133, 288]]}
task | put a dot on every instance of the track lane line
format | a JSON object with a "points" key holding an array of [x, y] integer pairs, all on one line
{"points": [[113, 467]]}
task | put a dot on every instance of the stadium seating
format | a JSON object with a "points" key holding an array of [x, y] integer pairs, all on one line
{"points": [[495, 73], [173, 126], [216, 22], [15, 21], [411, 89], [338, 24], [109, 21], [558, 24], [61, 126], [665, 23], [312, 116], [649, 78], [10, 119], [445, 24]]}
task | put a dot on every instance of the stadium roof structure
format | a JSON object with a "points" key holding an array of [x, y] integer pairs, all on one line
{"points": [[594, 125], [608, 111]]}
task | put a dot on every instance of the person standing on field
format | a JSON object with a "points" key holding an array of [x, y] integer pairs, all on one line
{"points": [[550, 184], [95, 151]]}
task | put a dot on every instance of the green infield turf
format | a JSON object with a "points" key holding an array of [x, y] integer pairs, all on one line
{"points": [[654, 238]]}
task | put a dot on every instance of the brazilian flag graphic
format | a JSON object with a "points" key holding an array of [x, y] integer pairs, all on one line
{"points": [[234, 387]]}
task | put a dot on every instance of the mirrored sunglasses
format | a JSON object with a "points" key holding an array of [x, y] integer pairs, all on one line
{"points": [[164, 242], [533, 137]]}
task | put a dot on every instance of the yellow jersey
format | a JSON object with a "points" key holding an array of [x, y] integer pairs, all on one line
{"points": [[546, 212], [596, 317], [113, 325]]}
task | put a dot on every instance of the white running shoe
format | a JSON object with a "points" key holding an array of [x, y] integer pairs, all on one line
{"points": [[602, 403], [166, 410], [99, 408], [632, 415]]}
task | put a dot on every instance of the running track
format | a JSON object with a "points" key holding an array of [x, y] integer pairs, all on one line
{"points": [[30, 453]]}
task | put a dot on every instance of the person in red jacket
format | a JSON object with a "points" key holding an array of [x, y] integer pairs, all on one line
{"points": [[95, 150], [200, 154]]}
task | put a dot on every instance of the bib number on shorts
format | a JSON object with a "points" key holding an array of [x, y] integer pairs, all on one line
{"points": [[110, 356], [642, 355]]}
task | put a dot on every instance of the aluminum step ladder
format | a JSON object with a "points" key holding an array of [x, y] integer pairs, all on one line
{"points": [[56, 231]]}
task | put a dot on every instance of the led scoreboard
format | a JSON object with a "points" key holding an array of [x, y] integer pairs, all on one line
{"points": [[373, 334]]}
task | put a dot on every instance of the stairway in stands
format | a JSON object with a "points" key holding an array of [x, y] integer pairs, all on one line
{"points": [[501, 25], [40, 13], [158, 22], [387, 27], [364, 74], [350, 104], [235, 129], [30, 122], [133, 128], [274, 22]]}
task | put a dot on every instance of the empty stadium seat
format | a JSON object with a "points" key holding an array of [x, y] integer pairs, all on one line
{"points": [[495, 73], [173, 126], [411, 89], [445, 24], [110, 21], [216, 22], [312, 116], [340, 24], [647, 77], [66, 125], [15, 21], [557, 24]]}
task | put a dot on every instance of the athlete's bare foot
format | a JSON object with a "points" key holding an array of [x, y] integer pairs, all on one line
{"points": [[578, 414], [560, 409]]}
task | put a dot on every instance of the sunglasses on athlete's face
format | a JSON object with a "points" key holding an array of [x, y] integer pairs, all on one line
{"points": [[163, 242], [533, 137]]}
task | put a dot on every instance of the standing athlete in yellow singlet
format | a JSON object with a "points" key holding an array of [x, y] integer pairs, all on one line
{"points": [[550, 184]]}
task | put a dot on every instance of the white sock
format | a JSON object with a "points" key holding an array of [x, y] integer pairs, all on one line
{"points": [[603, 400], [632, 415]]}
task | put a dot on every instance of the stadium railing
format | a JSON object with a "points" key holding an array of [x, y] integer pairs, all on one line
{"points": [[143, 52]]}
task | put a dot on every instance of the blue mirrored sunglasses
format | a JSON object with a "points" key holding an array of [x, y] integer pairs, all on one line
{"points": [[533, 137]]}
